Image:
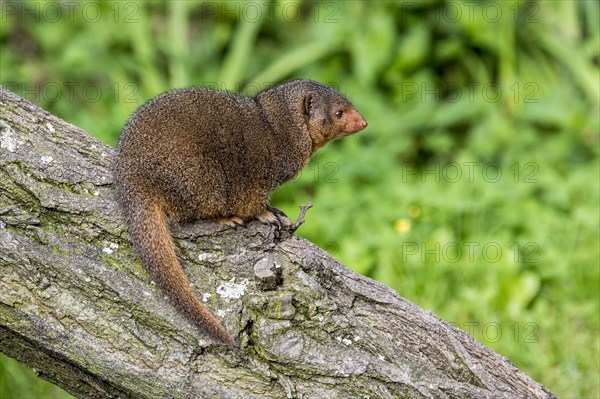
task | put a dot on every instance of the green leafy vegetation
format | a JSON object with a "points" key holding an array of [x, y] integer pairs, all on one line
{"points": [[474, 192]]}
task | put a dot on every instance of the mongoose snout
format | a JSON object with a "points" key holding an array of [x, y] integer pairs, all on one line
{"points": [[354, 122]]}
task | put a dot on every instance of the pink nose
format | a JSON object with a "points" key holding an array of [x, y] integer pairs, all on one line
{"points": [[355, 122], [359, 122]]}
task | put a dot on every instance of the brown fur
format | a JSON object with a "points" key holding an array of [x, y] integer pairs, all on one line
{"points": [[203, 154]]}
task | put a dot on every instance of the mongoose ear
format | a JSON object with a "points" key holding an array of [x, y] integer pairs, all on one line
{"points": [[308, 106]]}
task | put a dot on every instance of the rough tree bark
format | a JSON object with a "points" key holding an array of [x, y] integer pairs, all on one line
{"points": [[76, 306]]}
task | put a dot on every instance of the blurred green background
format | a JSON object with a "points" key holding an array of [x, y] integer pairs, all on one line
{"points": [[474, 192]]}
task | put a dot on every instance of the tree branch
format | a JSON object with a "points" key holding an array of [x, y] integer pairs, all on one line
{"points": [[76, 306]]}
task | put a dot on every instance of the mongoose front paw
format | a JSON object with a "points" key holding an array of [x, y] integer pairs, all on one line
{"points": [[274, 216], [231, 221]]}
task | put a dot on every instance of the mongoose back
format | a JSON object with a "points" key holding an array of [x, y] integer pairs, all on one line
{"points": [[198, 153]]}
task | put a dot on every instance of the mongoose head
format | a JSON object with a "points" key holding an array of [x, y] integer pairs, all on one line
{"points": [[328, 115]]}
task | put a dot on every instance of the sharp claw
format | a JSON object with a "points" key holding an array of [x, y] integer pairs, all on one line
{"points": [[275, 217], [276, 212], [281, 217]]}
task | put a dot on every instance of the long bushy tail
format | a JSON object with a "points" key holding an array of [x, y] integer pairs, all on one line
{"points": [[153, 244]]}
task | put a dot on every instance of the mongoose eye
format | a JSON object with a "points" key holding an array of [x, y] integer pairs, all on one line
{"points": [[339, 114]]}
